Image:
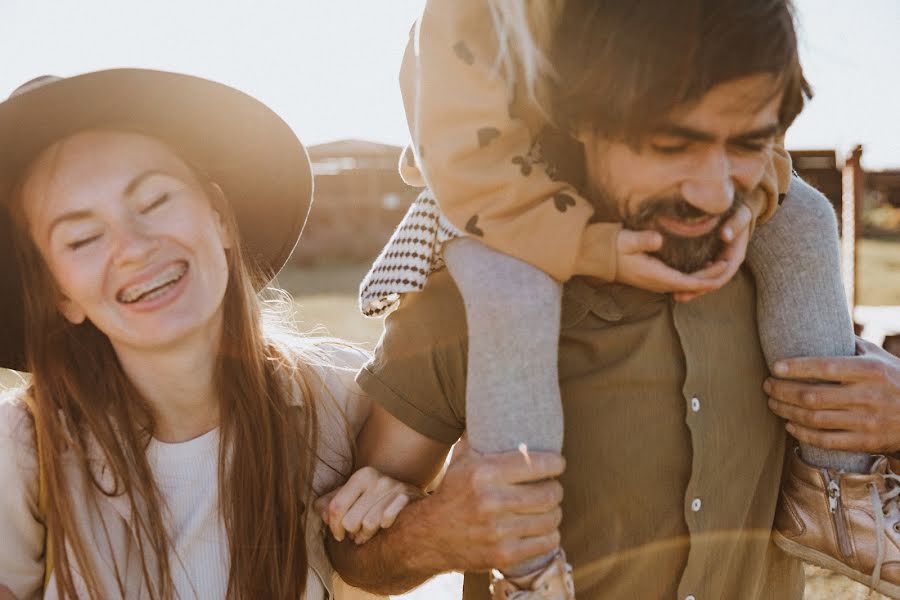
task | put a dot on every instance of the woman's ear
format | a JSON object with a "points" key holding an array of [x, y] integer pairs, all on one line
{"points": [[71, 311], [221, 223], [224, 230]]}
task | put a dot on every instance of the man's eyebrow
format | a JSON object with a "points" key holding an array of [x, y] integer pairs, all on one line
{"points": [[759, 133], [696, 135], [688, 133]]}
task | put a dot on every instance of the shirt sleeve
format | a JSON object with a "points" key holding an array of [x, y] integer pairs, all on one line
{"points": [[21, 530], [418, 372], [473, 143]]}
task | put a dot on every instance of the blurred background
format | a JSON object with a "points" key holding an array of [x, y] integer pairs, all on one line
{"points": [[330, 70]]}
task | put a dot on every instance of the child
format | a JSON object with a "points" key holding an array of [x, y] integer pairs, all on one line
{"points": [[477, 80]]}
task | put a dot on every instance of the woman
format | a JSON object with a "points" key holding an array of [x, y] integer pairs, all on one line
{"points": [[172, 437]]}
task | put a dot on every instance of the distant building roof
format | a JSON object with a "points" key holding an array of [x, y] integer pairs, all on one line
{"points": [[814, 160], [334, 158], [352, 149]]}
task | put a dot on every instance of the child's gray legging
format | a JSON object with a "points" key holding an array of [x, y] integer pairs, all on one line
{"points": [[513, 316]]}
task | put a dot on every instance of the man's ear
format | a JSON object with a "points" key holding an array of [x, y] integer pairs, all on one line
{"points": [[71, 311], [224, 230]]}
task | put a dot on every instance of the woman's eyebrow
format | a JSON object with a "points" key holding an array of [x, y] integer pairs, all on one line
{"points": [[140, 178], [75, 215]]}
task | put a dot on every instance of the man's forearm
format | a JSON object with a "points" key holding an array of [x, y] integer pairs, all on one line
{"points": [[396, 559]]}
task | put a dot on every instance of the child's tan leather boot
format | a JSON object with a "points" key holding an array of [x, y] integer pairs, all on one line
{"points": [[552, 582], [848, 523]]}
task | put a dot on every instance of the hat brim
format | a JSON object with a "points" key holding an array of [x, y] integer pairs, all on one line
{"points": [[241, 144]]}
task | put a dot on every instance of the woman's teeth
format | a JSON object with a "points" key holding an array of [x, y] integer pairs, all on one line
{"points": [[155, 287]]}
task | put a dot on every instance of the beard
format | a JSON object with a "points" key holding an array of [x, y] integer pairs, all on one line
{"points": [[685, 254]]}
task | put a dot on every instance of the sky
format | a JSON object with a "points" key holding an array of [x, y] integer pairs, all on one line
{"points": [[329, 67]]}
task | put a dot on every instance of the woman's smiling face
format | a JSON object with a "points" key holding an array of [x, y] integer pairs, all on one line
{"points": [[130, 237]]}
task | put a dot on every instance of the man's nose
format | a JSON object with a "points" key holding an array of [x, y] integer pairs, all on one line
{"points": [[710, 185]]}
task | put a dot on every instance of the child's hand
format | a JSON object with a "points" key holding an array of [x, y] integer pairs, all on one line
{"points": [[735, 233], [369, 501], [637, 268]]}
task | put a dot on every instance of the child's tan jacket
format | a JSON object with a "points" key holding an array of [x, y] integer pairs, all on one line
{"points": [[473, 144]]}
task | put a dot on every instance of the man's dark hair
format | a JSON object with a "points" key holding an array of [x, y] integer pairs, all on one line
{"points": [[623, 65]]}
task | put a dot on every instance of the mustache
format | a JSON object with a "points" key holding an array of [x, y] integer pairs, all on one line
{"points": [[676, 207], [686, 254]]}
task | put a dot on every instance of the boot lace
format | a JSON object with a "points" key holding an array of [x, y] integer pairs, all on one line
{"points": [[883, 505]]}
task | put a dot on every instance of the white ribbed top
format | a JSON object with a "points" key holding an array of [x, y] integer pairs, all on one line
{"points": [[187, 475]]}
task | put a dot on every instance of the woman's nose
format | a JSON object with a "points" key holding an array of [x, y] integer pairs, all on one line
{"points": [[133, 244]]}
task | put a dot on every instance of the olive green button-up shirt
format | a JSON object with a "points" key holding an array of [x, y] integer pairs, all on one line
{"points": [[674, 459]]}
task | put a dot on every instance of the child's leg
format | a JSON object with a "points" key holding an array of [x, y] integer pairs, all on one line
{"points": [[512, 389], [802, 309]]}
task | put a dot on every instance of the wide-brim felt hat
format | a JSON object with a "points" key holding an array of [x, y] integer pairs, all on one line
{"points": [[240, 143]]}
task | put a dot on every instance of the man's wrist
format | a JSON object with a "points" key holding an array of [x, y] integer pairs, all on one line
{"points": [[397, 559]]}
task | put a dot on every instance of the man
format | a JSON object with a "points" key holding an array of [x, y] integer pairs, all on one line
{"points": [[674, 459]]}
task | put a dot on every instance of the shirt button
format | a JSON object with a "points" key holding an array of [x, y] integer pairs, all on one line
{"points": [[690, 597], [695, 504], [695, 404]]}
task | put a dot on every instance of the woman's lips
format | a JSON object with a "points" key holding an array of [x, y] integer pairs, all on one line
{"points": [[688, 228], [161, 296], [146, 286]]}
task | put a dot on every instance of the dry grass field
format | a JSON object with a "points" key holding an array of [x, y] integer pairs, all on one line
{"points": [[326, 299], [879, 272]]}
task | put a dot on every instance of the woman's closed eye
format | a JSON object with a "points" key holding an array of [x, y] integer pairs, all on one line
{"points": [[82, 242], [157, 202]]}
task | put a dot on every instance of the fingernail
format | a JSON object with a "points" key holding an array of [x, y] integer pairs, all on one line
{"points": [[767, 386], [790, 428], [780, 368], [728, 233], [523, 450]]}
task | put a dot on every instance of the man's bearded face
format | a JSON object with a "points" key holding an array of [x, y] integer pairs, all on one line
{"points": [[687, 175], [686, 253]]}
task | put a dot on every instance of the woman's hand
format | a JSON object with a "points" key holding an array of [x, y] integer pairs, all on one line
{"points": [[369, 501], [637, 268], [853, 402], [5, 594]]}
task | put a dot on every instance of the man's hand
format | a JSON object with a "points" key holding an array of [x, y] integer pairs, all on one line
{"points": [[497, 510], [489, 511], [852, 404]]}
